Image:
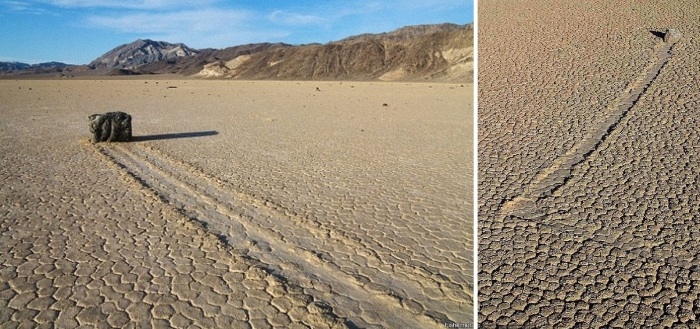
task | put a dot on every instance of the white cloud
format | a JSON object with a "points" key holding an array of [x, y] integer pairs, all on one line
{"points": [[23, 6], [128, 4], [287, 18], [196, 28], [362, 8], [438, 4], [16, 5], [193, 20]]}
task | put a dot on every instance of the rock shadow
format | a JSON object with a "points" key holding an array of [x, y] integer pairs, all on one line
{"points": [[658, 34], [174, 136]]}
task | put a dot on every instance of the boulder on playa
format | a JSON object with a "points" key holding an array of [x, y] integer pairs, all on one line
{"points": [[672, 35], [110, 127]]}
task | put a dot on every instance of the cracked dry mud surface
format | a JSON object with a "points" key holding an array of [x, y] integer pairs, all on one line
{"points": [[589, 199], [240, 204]]}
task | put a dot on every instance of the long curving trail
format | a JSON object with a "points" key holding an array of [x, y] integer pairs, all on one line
{"points": [[588, 167]]}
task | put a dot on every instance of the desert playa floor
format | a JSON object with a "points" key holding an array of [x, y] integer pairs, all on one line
{"points": [[589, 176], [239, 204]]}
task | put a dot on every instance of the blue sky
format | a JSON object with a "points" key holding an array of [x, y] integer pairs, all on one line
{"points": [[78, 31]]}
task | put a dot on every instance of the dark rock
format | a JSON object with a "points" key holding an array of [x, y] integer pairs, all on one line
{"points": [[110, 127], [672, 35]]}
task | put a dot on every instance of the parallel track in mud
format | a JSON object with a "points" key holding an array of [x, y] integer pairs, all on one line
{"points": [[285, 243]]}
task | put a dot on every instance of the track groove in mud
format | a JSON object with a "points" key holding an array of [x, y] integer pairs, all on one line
{"points": [[611, 245], [550, 179], [419, 276], [283, 242]]}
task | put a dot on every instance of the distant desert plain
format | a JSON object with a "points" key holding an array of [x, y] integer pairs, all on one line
{"points": [[321, 204]]}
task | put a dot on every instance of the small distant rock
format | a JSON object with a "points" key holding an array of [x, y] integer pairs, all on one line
{"points": [[385, 104], [110, 127], [672, 35]]}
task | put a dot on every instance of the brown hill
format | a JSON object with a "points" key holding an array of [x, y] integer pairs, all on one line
{"points": [[425, 52], [194, 64]]}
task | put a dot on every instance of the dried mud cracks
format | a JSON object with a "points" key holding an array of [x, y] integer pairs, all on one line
{"points": [[602, 235], [131, 235]]}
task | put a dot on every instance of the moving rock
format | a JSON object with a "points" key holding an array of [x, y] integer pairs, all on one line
{"points": [[110, 127], [672, 35]]}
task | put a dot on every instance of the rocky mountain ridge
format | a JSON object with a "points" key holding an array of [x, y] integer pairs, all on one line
{"points": [[18, 66], [140, 52], [194, 64], [437, 52], [407, 32], [441, 52]]}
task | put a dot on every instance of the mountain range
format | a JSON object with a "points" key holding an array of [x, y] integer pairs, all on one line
{"points": [[18, 66], [438, 52]]}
